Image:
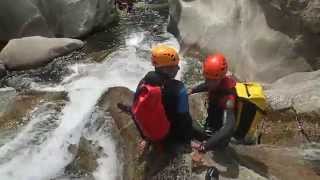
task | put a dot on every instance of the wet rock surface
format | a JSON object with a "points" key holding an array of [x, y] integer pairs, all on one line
{"points": [[18, 105], [124, 128], [85, 161]]}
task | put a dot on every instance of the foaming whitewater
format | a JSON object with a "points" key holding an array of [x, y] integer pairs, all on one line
{"points": [[43, 119], [48, 158]]}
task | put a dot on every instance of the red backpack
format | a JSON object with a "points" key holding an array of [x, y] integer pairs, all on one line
{"points": [[149, 113]]}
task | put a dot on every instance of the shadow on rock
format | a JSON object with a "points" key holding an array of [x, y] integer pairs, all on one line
{"points": [[226, 158]]}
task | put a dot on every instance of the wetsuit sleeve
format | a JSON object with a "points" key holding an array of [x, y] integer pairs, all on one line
{"points": [[183, 104], [190, 126], [175, 102], [183, 117], [227, 128], [202, 87]]}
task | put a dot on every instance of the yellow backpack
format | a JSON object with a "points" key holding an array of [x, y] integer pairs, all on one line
{"points": [[251, 108]]}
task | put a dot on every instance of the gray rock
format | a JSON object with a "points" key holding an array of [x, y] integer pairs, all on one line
{"points": [[23, 20], [60, 18], [276, 162], [77, 17], [299, 91], [31, 52]]}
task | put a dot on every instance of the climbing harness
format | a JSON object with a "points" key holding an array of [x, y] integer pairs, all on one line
{"points": [[212, 174]]}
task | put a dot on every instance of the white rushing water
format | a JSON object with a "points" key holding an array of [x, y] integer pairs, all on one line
{"points": [[22, 159]]}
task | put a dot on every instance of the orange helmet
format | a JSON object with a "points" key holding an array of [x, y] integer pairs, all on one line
{"points": [[215, 66], [163, 55]]}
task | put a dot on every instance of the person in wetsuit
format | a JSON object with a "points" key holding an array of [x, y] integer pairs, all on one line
{"points": [[220, 123], [165, 59]]}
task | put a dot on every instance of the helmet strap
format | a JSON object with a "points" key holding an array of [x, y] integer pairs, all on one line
{"points": [[163, 74]]}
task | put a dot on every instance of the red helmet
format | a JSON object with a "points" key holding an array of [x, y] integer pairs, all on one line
{"points": [[215, 66]]}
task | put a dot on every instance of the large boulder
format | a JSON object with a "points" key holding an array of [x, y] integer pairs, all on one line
{"points": [[21, 18], [60, 18], [52, 73], [241, 31], [295, 109], [299, 91], [277, 162], [35, 51]]}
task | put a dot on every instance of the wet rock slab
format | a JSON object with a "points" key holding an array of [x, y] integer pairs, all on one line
{"points": [[19, 104]]}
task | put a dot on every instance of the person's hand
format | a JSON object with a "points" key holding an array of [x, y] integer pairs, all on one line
{"points": [[190, 92], [142, 146], [199, 146], [197, 157]]}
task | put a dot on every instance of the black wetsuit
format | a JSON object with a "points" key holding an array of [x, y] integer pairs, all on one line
{"points": [[175, 102], [221, 114]]}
